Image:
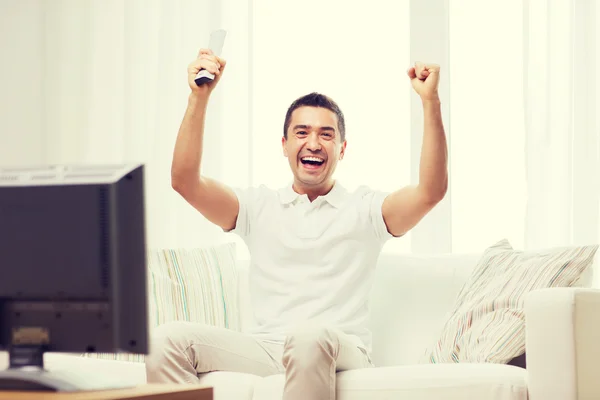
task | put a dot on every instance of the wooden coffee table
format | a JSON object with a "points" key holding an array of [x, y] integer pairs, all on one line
{"points": [[142, 392]]}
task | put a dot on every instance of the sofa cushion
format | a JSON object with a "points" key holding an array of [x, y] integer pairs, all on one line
{"points": [[422, 382], [198, 285], [488, 321]]}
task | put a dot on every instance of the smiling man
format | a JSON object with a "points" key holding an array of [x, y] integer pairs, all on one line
{"points": [[313, 246]]}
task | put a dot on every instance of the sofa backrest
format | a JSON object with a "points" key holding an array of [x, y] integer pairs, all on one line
{"points": [[410, 297], [410, 300]]}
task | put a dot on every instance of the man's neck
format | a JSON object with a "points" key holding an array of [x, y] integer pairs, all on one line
{"points": [[313, 191]]}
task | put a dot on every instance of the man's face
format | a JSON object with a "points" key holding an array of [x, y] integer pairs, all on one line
{"points": [[313, 146]]}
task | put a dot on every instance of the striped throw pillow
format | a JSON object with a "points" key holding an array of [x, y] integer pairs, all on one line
{"points": [[487, 323], [198, 285]]}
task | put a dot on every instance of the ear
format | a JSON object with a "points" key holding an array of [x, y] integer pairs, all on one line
{"points": [[343, 150], [283, 142]]}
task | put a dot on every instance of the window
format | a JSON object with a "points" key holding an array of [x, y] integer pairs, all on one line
{"points": [[359, 55], [486, 125], [355, 54]]}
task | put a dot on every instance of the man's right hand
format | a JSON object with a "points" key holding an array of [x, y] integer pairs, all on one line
{"points": [[208, 61]]}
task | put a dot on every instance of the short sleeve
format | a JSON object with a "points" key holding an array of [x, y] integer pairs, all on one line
{"points": [[373, 202], [249, 199]]}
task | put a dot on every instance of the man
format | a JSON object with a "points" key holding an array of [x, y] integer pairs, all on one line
{"points": [[313, 246]]}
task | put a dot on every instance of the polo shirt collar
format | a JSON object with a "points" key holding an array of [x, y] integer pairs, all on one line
{"points": [[335, 196]]}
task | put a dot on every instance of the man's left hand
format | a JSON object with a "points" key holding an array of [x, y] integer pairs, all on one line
{"points": [[425, 79]]}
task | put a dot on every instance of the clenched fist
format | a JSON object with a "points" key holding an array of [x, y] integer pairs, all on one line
{"points": [[210, 62], [425, 79]]}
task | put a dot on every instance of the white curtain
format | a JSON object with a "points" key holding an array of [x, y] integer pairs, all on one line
{"points": [[104, 81], [111, 87], [562, 99]]}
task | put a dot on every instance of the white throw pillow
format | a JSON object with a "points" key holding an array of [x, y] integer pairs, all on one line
{"points": [[487, 323]]}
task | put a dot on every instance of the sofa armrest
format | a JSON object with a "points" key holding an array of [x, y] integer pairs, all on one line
{"points": [[563, 343]]}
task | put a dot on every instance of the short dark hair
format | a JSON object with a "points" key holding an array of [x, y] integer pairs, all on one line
{"points": [[315, 99]]}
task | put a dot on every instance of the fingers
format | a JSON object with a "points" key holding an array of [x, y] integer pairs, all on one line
{"points": [[423, 70], [222, 62], [208, 61], [204, 51], [199, 64], [208, 54]]}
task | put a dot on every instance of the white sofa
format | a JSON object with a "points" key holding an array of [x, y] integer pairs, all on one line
{"points": [[410, 298]]}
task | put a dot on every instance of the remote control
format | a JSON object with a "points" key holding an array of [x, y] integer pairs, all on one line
{"points": [[217, 39]]}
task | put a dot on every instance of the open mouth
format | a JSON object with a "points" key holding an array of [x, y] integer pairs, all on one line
{"points": [[312, 162]]}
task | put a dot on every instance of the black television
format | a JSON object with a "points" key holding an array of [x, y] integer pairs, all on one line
{"points": [[72, 270]]}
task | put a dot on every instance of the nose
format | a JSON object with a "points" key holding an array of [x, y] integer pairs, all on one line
{"points": [[312, 142]]}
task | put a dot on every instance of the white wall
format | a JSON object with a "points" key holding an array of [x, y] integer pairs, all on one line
{"points": [[21, 82]]}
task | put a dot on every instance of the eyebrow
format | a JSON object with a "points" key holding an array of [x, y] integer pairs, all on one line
{"points": [[323, 128]]}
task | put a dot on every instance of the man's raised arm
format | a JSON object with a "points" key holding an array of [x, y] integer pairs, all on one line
{"points": [[403, 209], [214, 200]]}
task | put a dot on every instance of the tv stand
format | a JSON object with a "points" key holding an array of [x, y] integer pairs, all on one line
{"points": [[26, 373]]}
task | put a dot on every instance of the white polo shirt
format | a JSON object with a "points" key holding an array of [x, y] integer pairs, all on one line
{"points": [[311, 262]]}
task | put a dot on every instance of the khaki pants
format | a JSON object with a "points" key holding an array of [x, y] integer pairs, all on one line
{"points": [[309, 358]]}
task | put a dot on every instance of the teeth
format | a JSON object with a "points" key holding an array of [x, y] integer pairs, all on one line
{"points": [[316, 159]]}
